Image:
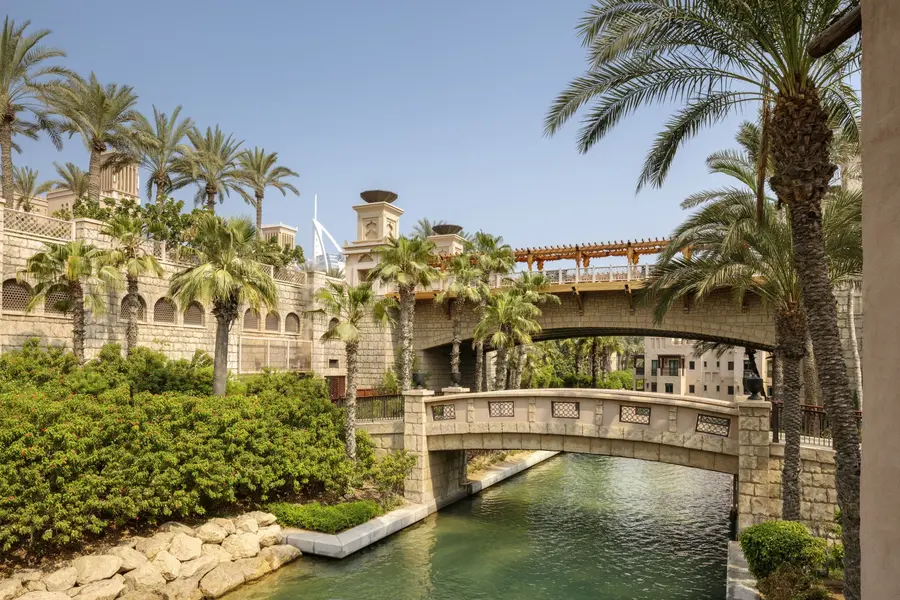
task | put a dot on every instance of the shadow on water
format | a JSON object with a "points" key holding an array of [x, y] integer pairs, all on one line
{"points": [[574, 527]]}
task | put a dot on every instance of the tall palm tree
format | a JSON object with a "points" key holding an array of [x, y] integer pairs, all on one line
{"points": [[530, 285], [73, 179], [129, 236], [72, 277], [351, 305], [406, 263], [225, 275], [424, 227], [492, 257], [27, 187], [507, 320], [24, 79], [211, 161], [602, 349], [159, 151], [259, 170], [466, 288], [716, 56]]}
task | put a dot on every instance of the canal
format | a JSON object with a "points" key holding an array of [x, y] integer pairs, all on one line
{"points": [[574, 527]]}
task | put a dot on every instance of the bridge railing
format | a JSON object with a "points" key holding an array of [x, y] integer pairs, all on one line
{"points": [[815, 426], [598, 274], [376, 408]]}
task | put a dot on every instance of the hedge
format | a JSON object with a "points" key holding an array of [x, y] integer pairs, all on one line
{"points": [[326, 519], [769, 545]]}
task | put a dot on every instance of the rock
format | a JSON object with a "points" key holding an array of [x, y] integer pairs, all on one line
{"points": [[242, 545], [253, 568], [168, 565], [246, 523], [217, 552], [198, 567], [95, 568], [132, 541], [226, 524], [146, 578], [62, 580], [152, 546], [135, 595], [36, 586], [71, 593], [103, 590], [263, 519], [10, 588], [221, 580], [211, 533], [280, 555], [269, 536], [131, 558], [173, 527], [28, 575], [44, 596], [185, 547], [183, 589]]}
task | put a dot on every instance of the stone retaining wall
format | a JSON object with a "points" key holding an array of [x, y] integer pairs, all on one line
{"points": [[818, 494]]}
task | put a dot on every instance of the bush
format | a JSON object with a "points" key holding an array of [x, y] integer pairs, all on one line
{"points": [[390, 473], [769, 545], [325, 519], [787, 582]]}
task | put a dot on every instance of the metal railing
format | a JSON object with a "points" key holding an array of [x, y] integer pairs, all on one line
{"points": [[815, 426], [376, 408], [598, 274], [49, 227]]}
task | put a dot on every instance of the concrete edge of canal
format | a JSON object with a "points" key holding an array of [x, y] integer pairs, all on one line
{"points": [[357, 538], [740, 584]]}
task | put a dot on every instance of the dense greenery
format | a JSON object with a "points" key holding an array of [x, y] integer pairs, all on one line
{"points": [[326, 519], [771, 544]]}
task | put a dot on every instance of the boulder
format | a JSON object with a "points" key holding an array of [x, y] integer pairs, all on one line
{"points": [[183, 589], [44, 596], [242, 545], [217, 552], [108, 589], [253, 568], [35, 586], [135, 595], [131, 558], [131, 542], [226, 524], [198, 567], [24, 575], [263, 519], [211, 533], [61, 580], [246, 523], [168, 565], [269, 536], [146, 578], [221, 580], [95, 568], [173, 527], [280, 555], [71, 593], [152, 546], [10, 588], [185, 547]]}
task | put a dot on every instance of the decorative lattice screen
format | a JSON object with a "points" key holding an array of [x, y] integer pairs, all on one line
{"points": [[57, 303], [565, 410], [443, 412], [141, 311], [15, 295], [272, 321], [23, 222], [713, 425], [292, 323], [164, 311], [194, 314], [634, 414], [251, 320], [501, 409]]}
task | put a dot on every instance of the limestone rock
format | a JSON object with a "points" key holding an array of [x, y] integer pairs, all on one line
{"points": [[173, 527], [253, 568], [108, 589], [61, 580], [226, 524], [44, 596], [72, 592], [135, 595], [198, 567], [246, 523], [242, 545], [25, 575], [269, 536], [10, 588], [131, 542], [152, 546], [185, 547], [146, 578], [217, 552], [211, 533], [131, 558], [36, 586], [168, 565], [280, 555], [221, 580], [183, 589], [264, 519], [95, 568]]}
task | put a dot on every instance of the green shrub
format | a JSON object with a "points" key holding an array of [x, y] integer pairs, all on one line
{"points": [[279, 383], [787, 582], [390, 473], [769, 545], [817, 592], [325, 519], [365, 452]]}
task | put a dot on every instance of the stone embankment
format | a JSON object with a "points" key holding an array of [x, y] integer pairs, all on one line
{"points": [[176, 563]]}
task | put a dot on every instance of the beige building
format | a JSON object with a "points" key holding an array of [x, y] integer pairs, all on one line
{"points": [[123, 184]]}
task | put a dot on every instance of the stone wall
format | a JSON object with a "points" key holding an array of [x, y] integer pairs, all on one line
{"points": [[818, 494]]}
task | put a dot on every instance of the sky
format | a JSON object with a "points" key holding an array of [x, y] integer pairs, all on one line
{"points": [[440, 102]]}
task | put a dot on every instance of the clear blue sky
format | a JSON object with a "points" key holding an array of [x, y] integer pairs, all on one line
{"points": [[441, 102]]}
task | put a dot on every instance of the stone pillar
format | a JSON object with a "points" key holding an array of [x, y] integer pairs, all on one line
{"points": [[418, 484], [754, 440]]}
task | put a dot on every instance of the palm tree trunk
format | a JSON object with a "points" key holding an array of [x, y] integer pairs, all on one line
{"points": [[579, 363], [812, 394], [479, 352], [500, 369], [521, 356], [854, 347], [131, 323], [790, 335], [350, 402], [94, 167], [803, 171], [606, 363], [457, 308], [160, 191], [220, 357], [77, 294], [595, 365], [777, 377], [6, 162], [259, 203], [407, 310], [211, 199]]}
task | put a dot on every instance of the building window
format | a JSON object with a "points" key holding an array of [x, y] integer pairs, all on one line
{"points": [[362, 275], [251, 320], [15, 295], [691, 389], [653, 386], [691, 365], [704, 364], [770, 392], [141, 309], [769, 369], [670, 388], [164, 311], [292, 323], [333, 363], [273, 323], [57, 303], [654, 365], [704, 387], [718, 388], [674, 365], [731, 365], [731, 390], [194, 314], [717, 364]]}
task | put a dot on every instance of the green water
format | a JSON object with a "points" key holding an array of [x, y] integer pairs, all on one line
{"points": [[573, 527]]}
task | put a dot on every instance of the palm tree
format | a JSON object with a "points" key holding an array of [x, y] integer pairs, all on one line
{"points": [[716, 56], [406, 263], [225, 275], [492, 257], [211, 161], [507, 320], [424, 227], [73, 179], [466, 288], [159, 151], [350, 306], [530, 286], [71, 277], [27, 187], [602, 349], [129, 235], [259, 170], [24, 80]]}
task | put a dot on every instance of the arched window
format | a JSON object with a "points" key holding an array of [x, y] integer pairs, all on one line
{"points": [[15, 295], [164, 311], [141, 311], [273, 323], [251, 319], [194, 314], [333, 323], [57, 303], [292, 323]]}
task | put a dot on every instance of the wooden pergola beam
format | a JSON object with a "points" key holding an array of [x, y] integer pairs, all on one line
{"points": [[843, 28], [579, 252]]}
